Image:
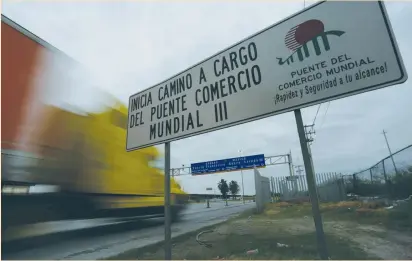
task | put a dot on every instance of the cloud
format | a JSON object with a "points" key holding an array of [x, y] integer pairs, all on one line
{"points": [[129, 46]]}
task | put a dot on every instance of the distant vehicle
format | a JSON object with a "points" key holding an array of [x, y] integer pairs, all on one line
{"points": [[80, 157]]}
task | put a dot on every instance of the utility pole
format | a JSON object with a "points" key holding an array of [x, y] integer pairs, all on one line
{"points": [[292, 173], [390, 152], [309, 132]]}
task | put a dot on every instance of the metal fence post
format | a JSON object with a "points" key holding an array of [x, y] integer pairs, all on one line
{"points": [[387, 185], [370, 171], [355, 185]]}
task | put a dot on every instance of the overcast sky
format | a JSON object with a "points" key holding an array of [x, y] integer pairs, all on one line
{"points": [[130, 46]]}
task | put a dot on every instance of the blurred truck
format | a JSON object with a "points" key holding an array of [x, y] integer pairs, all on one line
{"points": [[80, 155]]}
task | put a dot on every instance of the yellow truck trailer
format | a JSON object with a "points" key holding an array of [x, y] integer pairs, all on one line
{"points": [[82, 155]]}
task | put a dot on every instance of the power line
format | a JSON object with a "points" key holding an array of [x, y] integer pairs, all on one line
{"points": [[312, 131], [324, 115], [316, 115]]}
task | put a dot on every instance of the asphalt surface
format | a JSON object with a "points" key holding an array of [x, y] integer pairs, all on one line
{"points": [[115, 237]]}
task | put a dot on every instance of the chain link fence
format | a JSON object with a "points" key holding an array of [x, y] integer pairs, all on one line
{"points": [[391, 177]]}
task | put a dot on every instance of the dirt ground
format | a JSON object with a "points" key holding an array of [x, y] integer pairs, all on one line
{"points": [[288, 232]]}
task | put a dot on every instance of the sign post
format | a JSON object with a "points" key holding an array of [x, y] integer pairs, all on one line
{"points": [[168, 213], [207, 199], [309, 169], [243, 187]]}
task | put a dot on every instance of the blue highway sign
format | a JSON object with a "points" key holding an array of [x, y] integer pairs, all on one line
{"points": [[225, 165]]}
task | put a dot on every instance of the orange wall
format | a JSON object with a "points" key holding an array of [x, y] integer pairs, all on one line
{"points": [[19, 58]]}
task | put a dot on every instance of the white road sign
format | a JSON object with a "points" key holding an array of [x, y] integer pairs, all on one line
{"points": [[328, 51]]}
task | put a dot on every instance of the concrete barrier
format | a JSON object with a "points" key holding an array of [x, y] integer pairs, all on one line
{"points": [[262, 187]]}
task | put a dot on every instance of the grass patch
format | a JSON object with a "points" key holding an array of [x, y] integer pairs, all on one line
{"points": [[292, 225], [399, 218], [373, 213], [249, 231]]}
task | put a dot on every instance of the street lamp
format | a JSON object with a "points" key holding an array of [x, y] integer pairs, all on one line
{"points": [[243, 188]]}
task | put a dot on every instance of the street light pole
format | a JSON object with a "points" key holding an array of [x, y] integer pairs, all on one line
{"points": [[243, 188]]}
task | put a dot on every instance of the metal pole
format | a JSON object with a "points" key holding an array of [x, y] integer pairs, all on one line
{"points": [[271, 188], [307, 159], [294, 184], [272, 182], [390, 152], [168, 230], [243, 187]]}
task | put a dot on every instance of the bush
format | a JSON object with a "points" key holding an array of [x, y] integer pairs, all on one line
{"points": [[401, 184]]}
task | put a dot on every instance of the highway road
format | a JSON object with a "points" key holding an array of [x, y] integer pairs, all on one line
{"points": [[111, 237]]}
